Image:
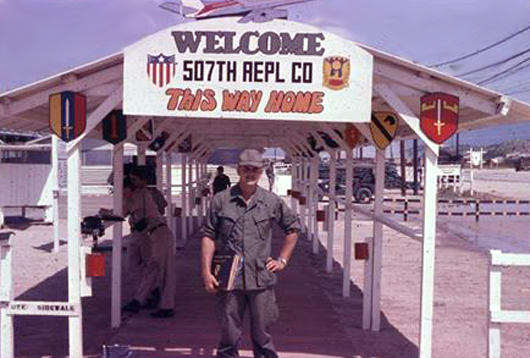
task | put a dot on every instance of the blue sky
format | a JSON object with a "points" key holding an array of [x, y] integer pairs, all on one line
{"points": [[39, 38]]}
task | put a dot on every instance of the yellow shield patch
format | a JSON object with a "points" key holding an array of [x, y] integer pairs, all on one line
{"points": [[384, 126], [336, 72]]}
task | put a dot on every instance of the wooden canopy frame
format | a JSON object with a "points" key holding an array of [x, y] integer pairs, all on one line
{"points": [[397, 86]]}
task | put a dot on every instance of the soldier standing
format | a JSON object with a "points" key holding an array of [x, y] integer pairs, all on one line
{"points": [[240, 220], [159, 268]]}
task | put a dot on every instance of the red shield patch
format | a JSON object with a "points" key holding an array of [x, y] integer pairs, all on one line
{"points": [[439, 116]]}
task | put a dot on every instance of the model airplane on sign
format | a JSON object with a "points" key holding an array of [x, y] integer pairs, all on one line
{"points": [[251, 10]]}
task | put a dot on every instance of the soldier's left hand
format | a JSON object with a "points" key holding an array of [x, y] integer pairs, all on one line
{"points": [[274, 265]]}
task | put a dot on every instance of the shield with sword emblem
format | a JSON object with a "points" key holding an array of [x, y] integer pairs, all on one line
{"points": [[67, 114], [439, 116]]}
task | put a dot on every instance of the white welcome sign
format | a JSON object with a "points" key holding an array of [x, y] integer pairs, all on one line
{"points": [[219, 68]]}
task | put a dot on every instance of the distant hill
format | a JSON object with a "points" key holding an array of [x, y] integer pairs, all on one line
{"points": [[510, 148]]}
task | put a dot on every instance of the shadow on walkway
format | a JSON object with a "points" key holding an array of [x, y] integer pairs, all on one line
{"points": [[315, 321]]}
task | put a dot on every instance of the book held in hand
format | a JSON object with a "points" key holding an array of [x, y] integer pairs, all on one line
{"points": [[224, 269]]}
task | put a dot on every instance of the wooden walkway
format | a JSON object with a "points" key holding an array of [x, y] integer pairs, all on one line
{"points": [[308, 325], [315, 321]]}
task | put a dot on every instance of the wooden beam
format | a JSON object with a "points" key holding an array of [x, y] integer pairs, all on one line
{"points": [[75, 323], [42, 97], [431, 84], [428, 253], [331, 132], [117, 233], [133, 128], [98, 115], [331, 209], [346, 275], [377, 249], [405, 113], [183, 133], [364, 128]]}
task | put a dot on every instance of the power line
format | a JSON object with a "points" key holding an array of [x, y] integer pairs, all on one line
{"points": [[516, 85], [490, 79], [501, 62], [482, 49], [523, 90], [511, 72]]}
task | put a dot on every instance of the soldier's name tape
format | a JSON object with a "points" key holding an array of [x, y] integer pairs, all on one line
{"points": [[36, 308]]}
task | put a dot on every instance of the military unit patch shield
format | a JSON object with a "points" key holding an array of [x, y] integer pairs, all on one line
{"points": [[114, 127], [67, 115], [384, 126], [145, 134], [439, 116], [161, 69], [185, 146], [336, 72], [159, 141], [351, 135]]}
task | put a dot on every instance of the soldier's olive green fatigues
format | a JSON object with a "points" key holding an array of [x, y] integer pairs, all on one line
{"points": [[247, 230], [158, 268]]}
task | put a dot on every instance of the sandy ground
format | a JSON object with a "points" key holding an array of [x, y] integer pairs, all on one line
{"points": [[460, 284]]}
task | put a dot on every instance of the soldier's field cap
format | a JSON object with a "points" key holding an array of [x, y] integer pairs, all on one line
{"points": [[251, 157]]}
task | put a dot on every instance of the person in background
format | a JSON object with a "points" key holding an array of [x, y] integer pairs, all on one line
{"points": [[221, 181], [269, 171], [159, 267]]}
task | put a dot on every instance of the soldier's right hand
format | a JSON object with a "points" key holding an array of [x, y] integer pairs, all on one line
{"points": [[210, 283]]}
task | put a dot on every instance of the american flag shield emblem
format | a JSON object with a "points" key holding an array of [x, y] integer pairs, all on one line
{"points": [[160, 69]]}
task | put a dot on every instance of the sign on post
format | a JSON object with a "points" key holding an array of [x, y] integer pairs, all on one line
{"points": [[439, 116], [278, 70], [383, 126], [114, 127], [67, 115]]}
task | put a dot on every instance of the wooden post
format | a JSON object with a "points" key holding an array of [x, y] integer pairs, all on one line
{"points": [[183, 219], [204, 203], [377, 247], [191, 197], [314, 185], [458, 147], [415, 166], [55, 190], [428, 252], [494, 304], [198, 192], [75, 323], [303, 187], [348, 225], [159, 170], [310, 199], [294, 183], [331, 213], [140, 153], [169, 197], [367, 287], [7, 336], [117, 233], [403, 168]]}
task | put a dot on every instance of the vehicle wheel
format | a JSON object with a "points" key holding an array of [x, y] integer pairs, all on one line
{"points": [[363, 195]]}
